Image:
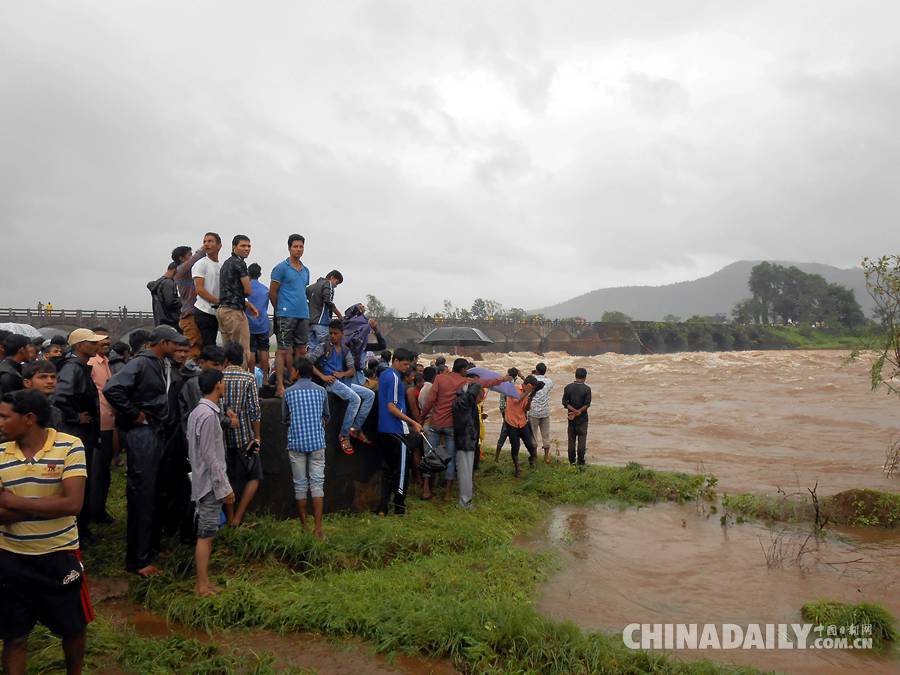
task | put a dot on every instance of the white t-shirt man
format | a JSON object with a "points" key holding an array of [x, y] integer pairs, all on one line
{"points": [[208, 270]]}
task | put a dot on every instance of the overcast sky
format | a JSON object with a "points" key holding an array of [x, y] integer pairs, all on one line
{"points": [[522, 151]]}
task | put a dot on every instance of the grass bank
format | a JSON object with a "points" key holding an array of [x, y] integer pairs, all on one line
{"points": [[115, 647], [857, 508], [851, 617], [441, 582]]}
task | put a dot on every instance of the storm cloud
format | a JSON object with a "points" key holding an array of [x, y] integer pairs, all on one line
{"points": [[521, 151]]}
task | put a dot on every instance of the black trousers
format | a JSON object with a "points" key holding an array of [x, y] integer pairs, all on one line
{"points": [[100, 475], [578, 432], [174, 491], [208, 325], [522, 435], [87, 435], [145, 452], [504, 434], [394, 473]]}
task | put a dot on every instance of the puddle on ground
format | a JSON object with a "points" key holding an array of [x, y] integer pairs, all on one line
{"points": [[671, 564]]}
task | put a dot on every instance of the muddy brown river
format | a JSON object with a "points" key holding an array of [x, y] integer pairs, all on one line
{"points": [[759, 421]]}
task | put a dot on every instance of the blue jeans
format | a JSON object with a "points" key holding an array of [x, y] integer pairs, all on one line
{"points": [[359, 403], [435, 434], [317, 333]]}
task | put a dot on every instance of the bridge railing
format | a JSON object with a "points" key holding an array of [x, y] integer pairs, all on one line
{"points": [[77, 314]]}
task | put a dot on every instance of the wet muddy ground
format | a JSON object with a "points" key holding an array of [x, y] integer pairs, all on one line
{"points": [[291, 651]]}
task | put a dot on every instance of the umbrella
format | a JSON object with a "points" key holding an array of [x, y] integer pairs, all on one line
{"points": [[456, 336], [25, 329], [49, 332], [505, 388]]}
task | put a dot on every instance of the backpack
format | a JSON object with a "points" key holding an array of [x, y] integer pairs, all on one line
{"points": [[466, 424]]}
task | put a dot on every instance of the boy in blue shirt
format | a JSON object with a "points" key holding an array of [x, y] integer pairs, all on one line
{"points": [[305, 411], [259, 325], [393, 425], [333, 363], [287, 293]]}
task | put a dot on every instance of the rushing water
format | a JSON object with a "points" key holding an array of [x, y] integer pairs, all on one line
{"points": [[759, 421]]}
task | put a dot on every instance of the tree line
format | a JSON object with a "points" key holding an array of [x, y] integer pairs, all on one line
{"points": [[791, 296]]}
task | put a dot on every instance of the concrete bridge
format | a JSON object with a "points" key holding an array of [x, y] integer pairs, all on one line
{"points": [[580, 338]]}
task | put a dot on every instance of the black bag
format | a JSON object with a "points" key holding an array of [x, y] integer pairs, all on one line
{"points": [[435, 459]]}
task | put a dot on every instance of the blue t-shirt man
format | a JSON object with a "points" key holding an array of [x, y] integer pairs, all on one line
{"points": [[259, 297], [391, 390], [292, 302], [335, 362]]}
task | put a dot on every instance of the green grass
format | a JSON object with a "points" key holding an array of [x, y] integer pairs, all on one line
{"points": [[440, 582], [111, 645], [804, 337], [830, 613], [857, 508]]}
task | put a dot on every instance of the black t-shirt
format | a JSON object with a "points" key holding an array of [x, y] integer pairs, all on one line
{"points": [[231, 290], [577, 395]]}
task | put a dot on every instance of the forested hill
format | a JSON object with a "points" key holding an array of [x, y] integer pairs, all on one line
{"points": [[717, 293]]}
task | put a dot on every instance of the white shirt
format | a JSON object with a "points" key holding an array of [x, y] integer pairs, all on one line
{"points": [[540, 404], [209, 271]]}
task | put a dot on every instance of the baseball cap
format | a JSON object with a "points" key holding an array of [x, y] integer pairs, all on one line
{"points": [[162, 333], [85, 335]]}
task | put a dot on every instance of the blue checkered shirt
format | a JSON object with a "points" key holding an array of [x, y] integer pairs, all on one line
{"points": [[241, 396], [305, 410]]}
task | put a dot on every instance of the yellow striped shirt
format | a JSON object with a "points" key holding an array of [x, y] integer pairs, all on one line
{"points": [[61, 457]]}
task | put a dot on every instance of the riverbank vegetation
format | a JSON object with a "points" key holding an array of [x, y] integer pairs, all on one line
{"points": [[857, 508], [849, 618], [440, 582]]}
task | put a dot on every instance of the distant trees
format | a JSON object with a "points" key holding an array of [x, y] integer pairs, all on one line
{"points": [[793, 296], [615, 316], [376, 308]]}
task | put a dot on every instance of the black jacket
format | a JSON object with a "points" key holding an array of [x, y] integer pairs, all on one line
{"points": [[166, 303], [76, 393], [116, 362], [140, 387], [466, 422], [10, 376]]}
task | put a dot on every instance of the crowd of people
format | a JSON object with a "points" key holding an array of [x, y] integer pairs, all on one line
{"points": [[187, 413]]}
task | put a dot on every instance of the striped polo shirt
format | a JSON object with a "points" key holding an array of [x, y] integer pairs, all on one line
{"points": [[61, 457]]}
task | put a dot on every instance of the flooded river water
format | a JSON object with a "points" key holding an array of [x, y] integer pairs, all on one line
{"points": [[756, 420], [759, 421]]}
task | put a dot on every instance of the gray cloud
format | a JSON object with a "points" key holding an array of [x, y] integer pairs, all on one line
{"points": [[434, 150]]}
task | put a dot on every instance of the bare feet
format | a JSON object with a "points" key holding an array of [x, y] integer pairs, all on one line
{"points": [[206, 591], [317, 533], [149, 571]]}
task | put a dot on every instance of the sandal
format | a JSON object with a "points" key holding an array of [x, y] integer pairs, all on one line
{"points": [[346, 446], [360, 436]]}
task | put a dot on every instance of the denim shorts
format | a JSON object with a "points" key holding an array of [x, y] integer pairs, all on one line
{"points": [[209, 516], [308, 469]]}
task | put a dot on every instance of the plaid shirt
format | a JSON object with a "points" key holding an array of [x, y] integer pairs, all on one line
{"points": [[241, 396], [304, 410]]}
